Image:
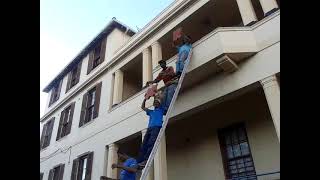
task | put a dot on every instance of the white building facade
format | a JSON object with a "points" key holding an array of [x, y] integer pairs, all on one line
{"points": [[226, 120]]}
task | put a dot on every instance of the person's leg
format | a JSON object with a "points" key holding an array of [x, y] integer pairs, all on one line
{"points": [[144, 146], [153, 137], [164, 97], [170, 93]]}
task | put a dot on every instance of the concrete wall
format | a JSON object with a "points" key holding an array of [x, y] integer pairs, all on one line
{"points": [[193, 150]]}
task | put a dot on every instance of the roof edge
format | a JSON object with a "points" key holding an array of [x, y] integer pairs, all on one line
{"points": [[114, 23]]}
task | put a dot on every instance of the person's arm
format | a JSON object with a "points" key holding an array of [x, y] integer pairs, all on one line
{"points": [[154, 81], [129, 169], [143, 105]]}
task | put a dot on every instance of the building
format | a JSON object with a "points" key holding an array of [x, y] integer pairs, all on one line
{"points": [[226, 120]]}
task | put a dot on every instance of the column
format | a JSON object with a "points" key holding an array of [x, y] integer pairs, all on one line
{"points": [[112, 158], [151, 170], [118, 87], [160, 161], [269, 6], [247, 12], [146, 66], [156, 53], [272, 92]]}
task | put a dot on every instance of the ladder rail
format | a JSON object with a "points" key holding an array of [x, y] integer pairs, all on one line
{"points": [[165, 122]]}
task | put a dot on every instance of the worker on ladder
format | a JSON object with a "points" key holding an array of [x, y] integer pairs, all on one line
{"points": [[154, 126]]}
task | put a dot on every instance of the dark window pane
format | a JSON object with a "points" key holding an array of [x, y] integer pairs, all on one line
{"points": [[230, 153], [244, 148], [228, 140], [249, 168], [236, 150], [249, 163], [234, 137]]}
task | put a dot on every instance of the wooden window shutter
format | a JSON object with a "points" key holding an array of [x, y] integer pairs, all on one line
{"points": [[75, 168], [103, 50], [78, 72], [61, 170], [97, 100], [60, 125], [50, 128], [69, 81], [50, 177], [70, 118], [44, 129], [89, 166], [59, 89], [83, 109], [90, 62]]}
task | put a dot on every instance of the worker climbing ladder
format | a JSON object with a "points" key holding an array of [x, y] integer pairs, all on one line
{"points": [[165, 122]]}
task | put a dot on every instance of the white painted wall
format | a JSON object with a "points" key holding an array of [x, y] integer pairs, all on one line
{"points": [[127, 118]]}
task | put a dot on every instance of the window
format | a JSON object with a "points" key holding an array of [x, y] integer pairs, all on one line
{"points": [[96, 56], [41, 176], [82, 167], [90, 105], [236, 153], [46, 134], [74, 76], [65, 121], [56, 173], [55, 93]]}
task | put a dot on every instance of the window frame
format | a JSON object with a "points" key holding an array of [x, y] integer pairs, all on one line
{"points": [[97, 56], [55, 93], [90, 104], [227, 161], [46, 134]]}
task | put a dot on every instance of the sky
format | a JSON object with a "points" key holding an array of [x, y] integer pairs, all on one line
{"points": [[67, 26]]}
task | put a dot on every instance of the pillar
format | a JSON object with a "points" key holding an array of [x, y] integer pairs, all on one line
{"points": [[247, 12], [151, 170], [268, 6], [146, 66], [118, 87], [112, 158], [156, 53], [272, 92], [160, 161]]}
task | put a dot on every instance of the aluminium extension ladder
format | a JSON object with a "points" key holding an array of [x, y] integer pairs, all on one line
{"points": [[165, 122]]}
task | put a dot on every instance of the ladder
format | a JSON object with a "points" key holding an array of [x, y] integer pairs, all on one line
{"points": [[165, 122]]}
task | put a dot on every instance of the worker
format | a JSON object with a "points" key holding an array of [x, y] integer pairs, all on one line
{"points": [[183, 51], [154, 126], [167, 75], [128, 168]]}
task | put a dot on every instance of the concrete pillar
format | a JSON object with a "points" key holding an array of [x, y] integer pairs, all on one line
{"points": [[156, 53], [160, 161], [272, 92], [105, 169], [118, 87], [269, 6], [151, 170], [146, 66], [247, 12], [112, 158]]}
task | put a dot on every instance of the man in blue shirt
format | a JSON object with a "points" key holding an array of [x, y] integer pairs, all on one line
{"points": [[154, 126], [129, 169], [183, 52]]}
